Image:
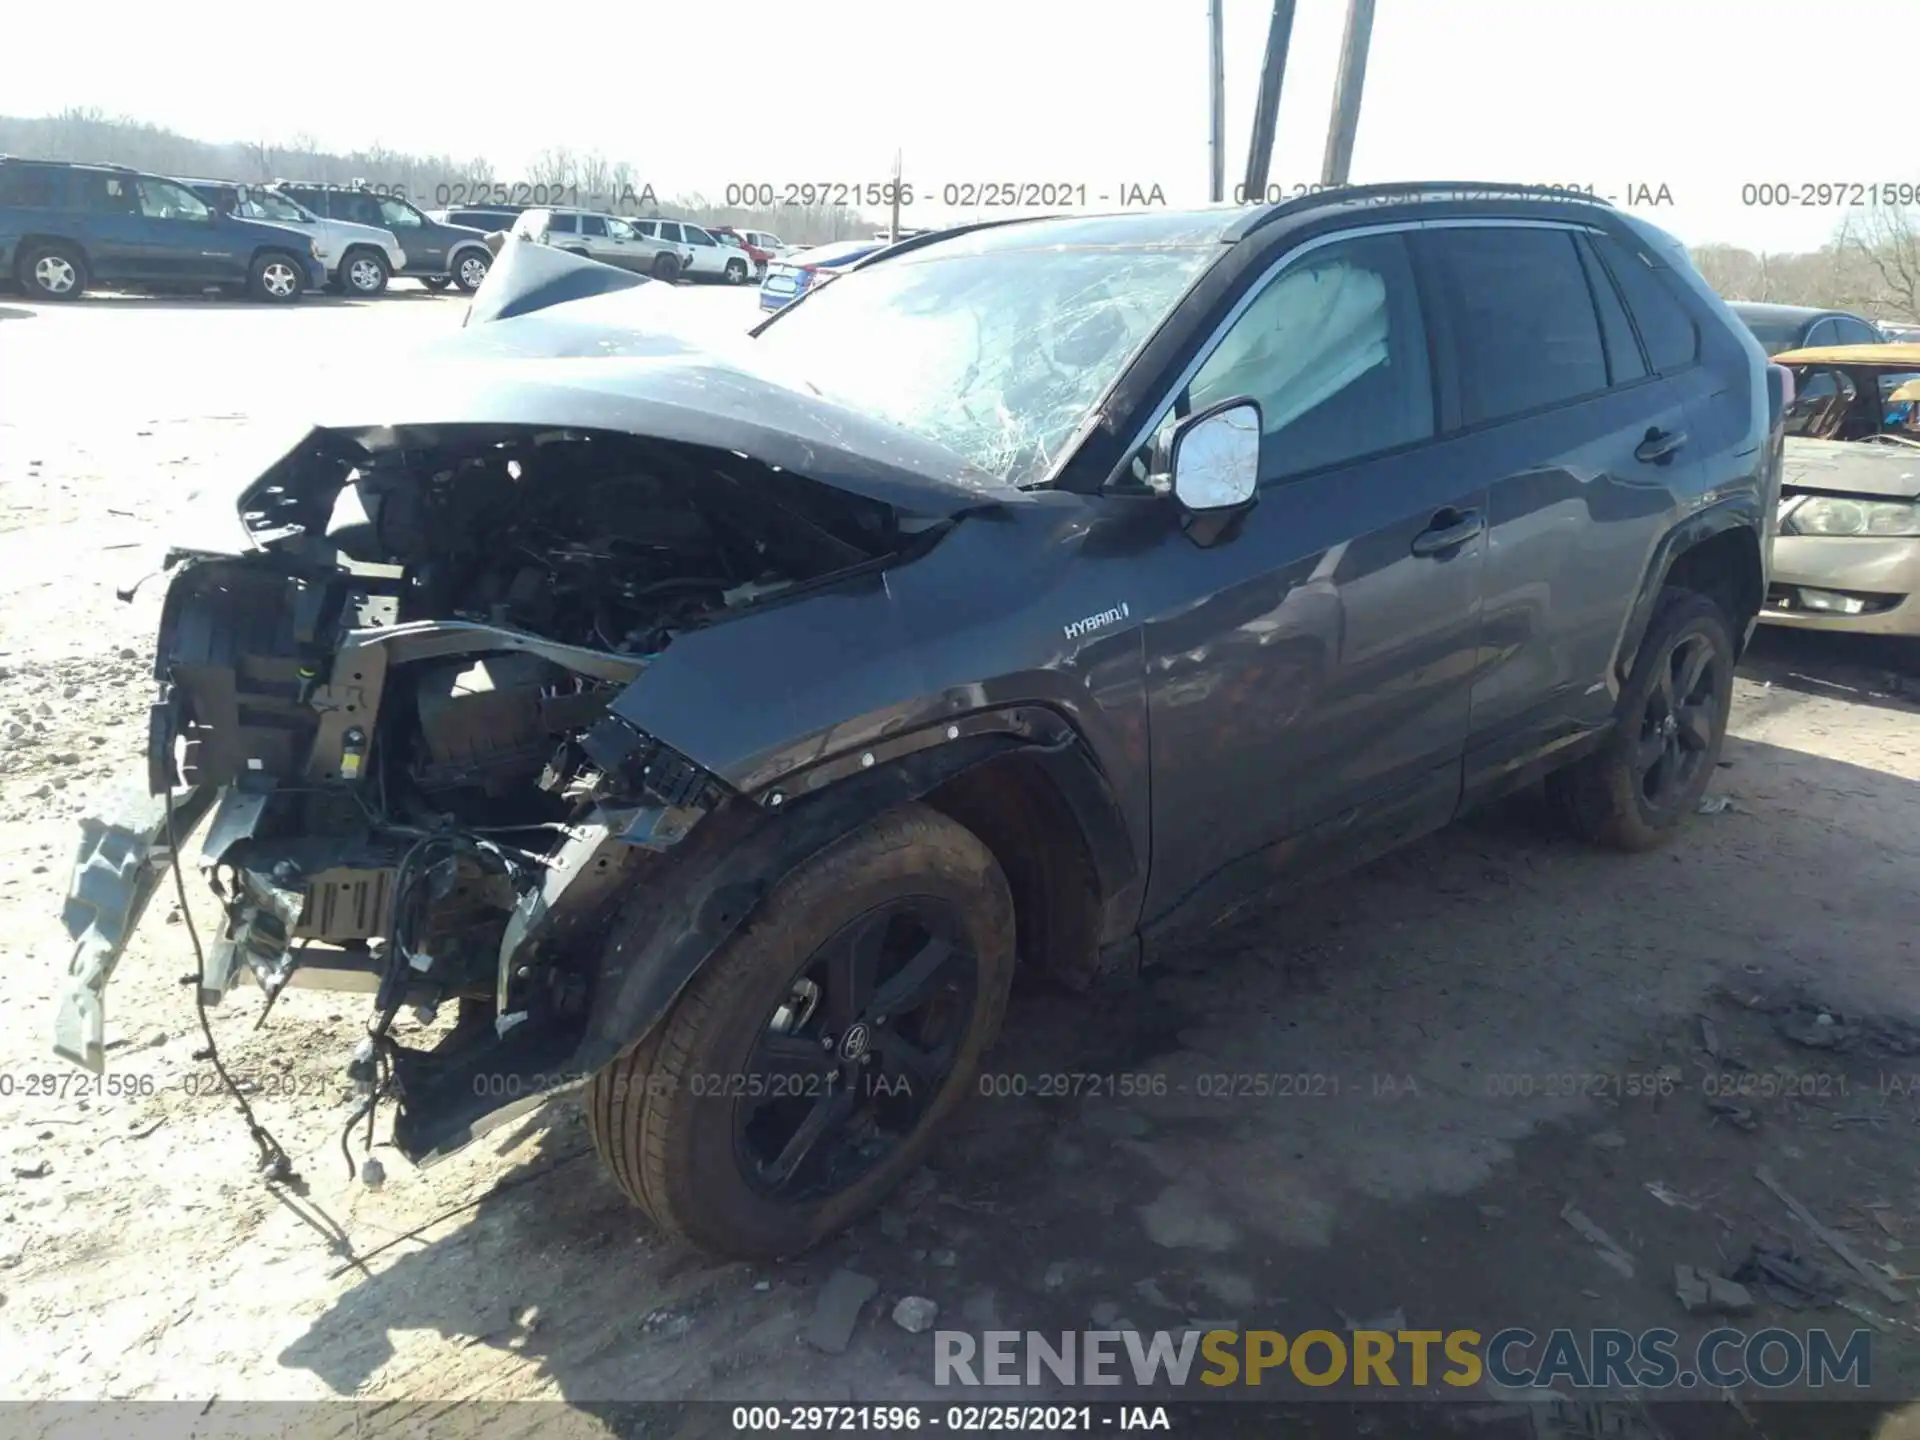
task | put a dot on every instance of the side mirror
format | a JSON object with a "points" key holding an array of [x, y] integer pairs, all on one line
{"points": [[1215, 457]]}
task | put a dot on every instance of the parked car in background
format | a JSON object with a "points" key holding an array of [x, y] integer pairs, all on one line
{"points": [[1033, 595], [1847, 552], [1898, 332], [606, 238], [486, 218], [803, 270], [437, 254], [1798, 327], [762, 248], [360, 259], [709, 259], [65, 227]]}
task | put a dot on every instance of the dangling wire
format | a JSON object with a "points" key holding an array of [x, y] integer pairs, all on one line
{"points": [[275, 1164]]}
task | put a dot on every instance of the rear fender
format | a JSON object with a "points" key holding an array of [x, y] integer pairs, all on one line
{"points": [[1738, 513]]}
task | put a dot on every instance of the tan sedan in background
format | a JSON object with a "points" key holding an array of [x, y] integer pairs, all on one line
{"points": [[1847, 552]]}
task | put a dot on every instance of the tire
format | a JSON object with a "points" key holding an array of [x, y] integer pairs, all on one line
{"points": [[470, 269], [364, 273], [690, 1151], [736, 272], [1621, 798], [666, 267], [276, 278], [437, 283], [52, 271]]}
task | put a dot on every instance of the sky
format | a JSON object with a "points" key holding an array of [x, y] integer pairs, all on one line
{"points": [[1102, 93]]}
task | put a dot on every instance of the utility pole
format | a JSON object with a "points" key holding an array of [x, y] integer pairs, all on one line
{"points": [[895, 230], [1216, 102], [1346, 94], [1266, 109]]}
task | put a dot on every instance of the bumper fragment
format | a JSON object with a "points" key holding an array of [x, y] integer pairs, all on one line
{"points": [[116, 869]]}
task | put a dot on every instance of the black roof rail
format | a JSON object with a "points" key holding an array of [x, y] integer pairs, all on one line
{"points": [[927, 237], [1410, 190]]}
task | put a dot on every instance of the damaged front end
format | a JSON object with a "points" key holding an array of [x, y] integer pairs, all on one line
{"points": [[396, 707]]}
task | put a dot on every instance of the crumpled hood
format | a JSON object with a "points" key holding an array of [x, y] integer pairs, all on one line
{"points": [[1852, 467], [612, 362]]}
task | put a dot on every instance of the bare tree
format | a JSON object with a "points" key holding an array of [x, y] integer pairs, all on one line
{"points": [[1885, 240], [555, 165], [594, 175]]}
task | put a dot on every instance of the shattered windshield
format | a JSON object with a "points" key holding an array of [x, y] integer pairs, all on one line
{"points": [[997, 353]]}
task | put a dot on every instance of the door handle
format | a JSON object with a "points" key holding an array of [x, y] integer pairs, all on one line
{"points": [[1658, 445], [1450, 530]]}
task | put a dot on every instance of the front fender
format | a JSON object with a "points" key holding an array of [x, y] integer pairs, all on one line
{"points": [[710, 885]]}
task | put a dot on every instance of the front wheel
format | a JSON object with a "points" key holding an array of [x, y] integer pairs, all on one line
{"points": [[806, 1069], [365, 272], [276, 278], [469, 269], [1633, 792]]}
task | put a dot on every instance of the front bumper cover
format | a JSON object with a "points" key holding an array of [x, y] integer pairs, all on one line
{"points": [[121, 857]]}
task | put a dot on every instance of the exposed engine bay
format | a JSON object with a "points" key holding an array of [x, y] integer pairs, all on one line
{"points": [[402, 701]]}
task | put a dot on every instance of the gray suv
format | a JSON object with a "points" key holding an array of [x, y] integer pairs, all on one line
{"points": [[723, 735], [606, 238]]}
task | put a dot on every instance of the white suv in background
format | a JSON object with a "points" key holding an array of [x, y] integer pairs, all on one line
{"points": [[606, 238], [360, 259], [713, 258]]}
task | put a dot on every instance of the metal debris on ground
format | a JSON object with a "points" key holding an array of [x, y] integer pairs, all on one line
{"points": [[1608, 1251], [915, 1313], [1714, 804], [1787, 1278], [1738, 1116], [837, 1310], [1702, 1292], [1710, 1039], [1831, 1239], [1671, 1198]]}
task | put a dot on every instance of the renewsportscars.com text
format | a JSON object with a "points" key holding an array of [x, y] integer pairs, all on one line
{"points": [[1604, 1359]]}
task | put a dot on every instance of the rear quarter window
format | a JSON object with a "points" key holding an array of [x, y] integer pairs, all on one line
{"points": [[29, 185], [1671, 338]]}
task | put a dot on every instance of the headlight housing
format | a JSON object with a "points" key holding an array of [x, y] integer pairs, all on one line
{"points": [[1834, 515]]}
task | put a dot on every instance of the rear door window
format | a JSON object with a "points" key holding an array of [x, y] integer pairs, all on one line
{"points": [[563, 225], [1671, 338], [670, 232], [1524, 321], [593, 225]]}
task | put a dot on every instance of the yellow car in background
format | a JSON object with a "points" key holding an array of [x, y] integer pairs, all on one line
{"points": [[1846, 555]]}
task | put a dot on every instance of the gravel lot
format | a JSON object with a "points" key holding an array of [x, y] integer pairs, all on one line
{"points": [[1475, 1006]]}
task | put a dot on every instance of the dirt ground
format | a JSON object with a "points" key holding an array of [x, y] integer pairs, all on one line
{"points": [[1495, 1023]]}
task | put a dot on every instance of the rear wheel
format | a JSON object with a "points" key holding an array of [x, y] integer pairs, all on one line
{"points": [[470, 269], [52, 272], [666, 267], [276, 277], [806, 1069], [736, 272], [1633, 792]]}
